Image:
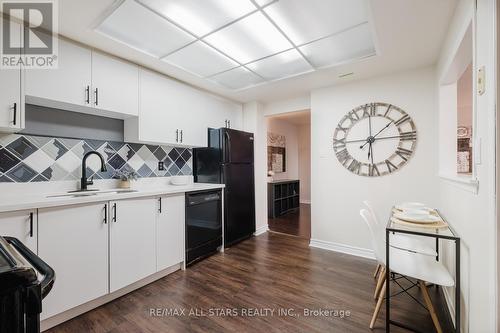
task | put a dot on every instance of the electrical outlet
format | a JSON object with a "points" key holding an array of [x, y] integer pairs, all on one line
{"points": [[161, 166]]}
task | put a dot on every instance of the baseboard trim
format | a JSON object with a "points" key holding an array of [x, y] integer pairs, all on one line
{"points": [[307, 202], [342, 248], [261, 230]]}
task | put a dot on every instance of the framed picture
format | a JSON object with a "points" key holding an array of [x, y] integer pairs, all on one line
{"points": [[276, 152]]}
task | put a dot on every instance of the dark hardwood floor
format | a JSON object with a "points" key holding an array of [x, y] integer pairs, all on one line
{"points": [[269, 271], [296, 223]]}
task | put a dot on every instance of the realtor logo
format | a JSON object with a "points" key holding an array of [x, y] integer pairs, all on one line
{"points": [[29, 34]]}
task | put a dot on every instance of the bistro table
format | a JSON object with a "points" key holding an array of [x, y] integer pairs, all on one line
{"points": [[445, 233]]}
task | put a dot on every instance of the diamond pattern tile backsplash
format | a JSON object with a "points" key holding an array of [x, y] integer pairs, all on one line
{"points": [[25, 158]]}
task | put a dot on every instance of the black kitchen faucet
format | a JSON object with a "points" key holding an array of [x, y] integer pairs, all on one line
{"points": [[84, 181]]}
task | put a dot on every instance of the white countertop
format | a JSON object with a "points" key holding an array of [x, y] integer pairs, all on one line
{"points": [[44, 200]]}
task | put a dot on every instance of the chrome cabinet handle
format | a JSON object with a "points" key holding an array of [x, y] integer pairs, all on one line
{"points": [[177, 135], [160, 205], [105, 213], [229, 124], [182, 135]]}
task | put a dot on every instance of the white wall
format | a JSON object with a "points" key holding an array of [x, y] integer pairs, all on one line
{"points": [[473, 214], [254, 122], [291, 133], [305, 162], [337, 194], [289, 105]]}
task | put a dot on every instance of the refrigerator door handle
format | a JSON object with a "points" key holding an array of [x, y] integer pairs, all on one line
{"points": [[227, 147]]}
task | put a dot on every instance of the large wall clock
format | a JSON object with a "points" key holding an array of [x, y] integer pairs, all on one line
{"points": [[375, 139]]}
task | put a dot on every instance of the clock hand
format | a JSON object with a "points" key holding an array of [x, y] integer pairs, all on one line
{"points": [[371, 155], [367, 141], [369, 150], [370, 123], [354, 141], [382, 129]]}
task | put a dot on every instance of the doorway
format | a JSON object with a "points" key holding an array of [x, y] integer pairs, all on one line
{"points": [[289, 173]]}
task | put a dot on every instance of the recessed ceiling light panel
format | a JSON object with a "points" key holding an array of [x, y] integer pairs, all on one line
{"points": [[305, 21], [200, 59], [140, 28], [350, 45], [237, 78], [249, 39], [281, 65], [201, 17]]}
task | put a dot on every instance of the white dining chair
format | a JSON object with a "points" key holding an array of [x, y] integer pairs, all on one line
{"points": [[423, 268], [399, 241]]}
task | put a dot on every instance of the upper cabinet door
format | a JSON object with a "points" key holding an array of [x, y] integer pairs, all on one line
{"points": [[115, 84], [157, 120], [10, 92], [70, 82]]}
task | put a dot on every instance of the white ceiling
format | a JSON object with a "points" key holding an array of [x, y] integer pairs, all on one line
{"points": [[409, 35]]}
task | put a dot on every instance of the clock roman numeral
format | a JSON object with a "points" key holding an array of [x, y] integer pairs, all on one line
{"points": [[354, 166], [387, 111], [404, 153], [343, 129], [408, 136], [343, 156], [353, 116], [402, 120], [372, 170], [372, 110], [390, 167], [338, 143]]}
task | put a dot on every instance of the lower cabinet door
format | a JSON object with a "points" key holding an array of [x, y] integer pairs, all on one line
{"points": [[132, 241], [73, 240], [170, 231], [21, 225]]}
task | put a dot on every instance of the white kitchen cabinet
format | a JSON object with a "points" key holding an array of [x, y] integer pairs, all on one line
{"points": [[132, 241], [70, 83], [73, 240], [115, 84], [174, 113], [156, 122], [11, 100], [170, 228], [21, 225]]}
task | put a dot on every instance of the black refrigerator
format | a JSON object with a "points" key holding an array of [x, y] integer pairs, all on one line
{"points": [[229, 160]]}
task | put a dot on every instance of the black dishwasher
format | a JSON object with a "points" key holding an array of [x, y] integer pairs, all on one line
{"points": [[203, 224]]}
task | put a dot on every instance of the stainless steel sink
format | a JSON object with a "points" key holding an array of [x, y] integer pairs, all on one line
{"points": [[88, 193]]}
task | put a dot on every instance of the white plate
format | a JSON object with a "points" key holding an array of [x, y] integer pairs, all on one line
{"points": [[180, 180], [417, 217], [410, 205]]}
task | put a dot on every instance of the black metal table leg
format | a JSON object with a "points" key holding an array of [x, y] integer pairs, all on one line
{"points": [[437, 248], [387, 284]]}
